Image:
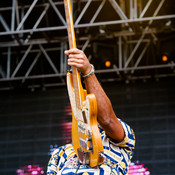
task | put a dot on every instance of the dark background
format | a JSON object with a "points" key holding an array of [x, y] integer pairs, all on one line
{"points": [[31, 121]]}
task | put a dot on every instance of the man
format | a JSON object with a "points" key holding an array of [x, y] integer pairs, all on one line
{"points": [[117, 137]]}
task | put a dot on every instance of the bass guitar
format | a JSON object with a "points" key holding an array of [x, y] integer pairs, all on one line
{"points": [[86, 138]]}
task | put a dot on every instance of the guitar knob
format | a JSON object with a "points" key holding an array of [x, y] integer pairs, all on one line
{"points": [[101, 154], [90, 148], [89, 139]]}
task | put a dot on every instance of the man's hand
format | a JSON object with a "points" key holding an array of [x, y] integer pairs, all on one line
{"points": [[78, 59]]}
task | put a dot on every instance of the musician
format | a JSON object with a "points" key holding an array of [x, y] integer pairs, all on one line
{"points": [[117, 137]]}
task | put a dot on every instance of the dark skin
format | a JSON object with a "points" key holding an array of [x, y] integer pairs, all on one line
{"points": [[105, 116]]}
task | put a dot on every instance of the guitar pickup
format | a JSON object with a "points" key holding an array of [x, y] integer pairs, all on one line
{"points": [[81, 127], [83, 143]]}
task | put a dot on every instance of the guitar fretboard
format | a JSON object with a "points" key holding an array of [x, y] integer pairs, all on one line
{"points": [[72, 44]]}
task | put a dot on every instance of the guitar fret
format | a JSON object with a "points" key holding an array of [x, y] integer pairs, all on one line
{"points": [[78, 106], [76, 90], [77, 99], [76, 87], [77, 96]]}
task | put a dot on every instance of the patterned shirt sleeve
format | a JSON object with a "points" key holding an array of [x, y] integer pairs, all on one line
{"points": [[120, 153], [129, 140], [58, 158]]}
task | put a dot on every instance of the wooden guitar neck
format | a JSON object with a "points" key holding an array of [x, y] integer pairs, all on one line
{"points": [[72, 44]]}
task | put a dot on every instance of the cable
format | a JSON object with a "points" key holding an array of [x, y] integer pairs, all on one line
{"points": [[77, 168]]}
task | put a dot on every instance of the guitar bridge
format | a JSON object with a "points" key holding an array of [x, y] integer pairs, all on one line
{"points": [[84, 157]]}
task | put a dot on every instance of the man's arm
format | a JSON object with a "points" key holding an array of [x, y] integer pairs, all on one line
{"points": [[106, 116]]}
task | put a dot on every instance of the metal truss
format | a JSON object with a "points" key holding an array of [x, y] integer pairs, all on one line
{"points": [[33, 38]]}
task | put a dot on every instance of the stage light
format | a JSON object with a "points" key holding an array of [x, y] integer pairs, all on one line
{"points": [[167, 51], [107, 63], [103, 55], [30, 170], [164, 58]]}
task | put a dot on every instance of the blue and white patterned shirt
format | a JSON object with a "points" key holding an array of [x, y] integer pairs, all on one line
{"points": [[118, 157]]}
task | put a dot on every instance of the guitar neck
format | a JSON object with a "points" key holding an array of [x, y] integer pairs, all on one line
{"points": [[70, 25], [72, 44]]}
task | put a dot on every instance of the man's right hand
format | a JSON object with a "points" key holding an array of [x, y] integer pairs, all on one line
{"points": [[78, 59]]}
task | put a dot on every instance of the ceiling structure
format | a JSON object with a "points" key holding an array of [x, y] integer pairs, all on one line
{"points": [[132, 34]]}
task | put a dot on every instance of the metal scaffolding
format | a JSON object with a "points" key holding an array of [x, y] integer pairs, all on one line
{"points": [[33, 38]]}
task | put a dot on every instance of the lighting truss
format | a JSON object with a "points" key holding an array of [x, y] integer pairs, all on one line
{"points": [[33, 36]]}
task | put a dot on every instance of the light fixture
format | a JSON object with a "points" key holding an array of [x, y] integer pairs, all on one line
{"points": [[164, 58], [107, 63]]}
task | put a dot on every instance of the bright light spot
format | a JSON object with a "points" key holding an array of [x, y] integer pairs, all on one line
{"points": [[107, 63], [164, 58]]}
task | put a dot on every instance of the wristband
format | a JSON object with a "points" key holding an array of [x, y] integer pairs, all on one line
{"points": [[90, 73]]}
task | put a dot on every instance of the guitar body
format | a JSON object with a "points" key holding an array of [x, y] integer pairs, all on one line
{"points": [[86, 137]]}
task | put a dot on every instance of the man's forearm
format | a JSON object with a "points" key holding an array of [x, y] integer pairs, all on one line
{"points": [[104, 105], [106, 116]]}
